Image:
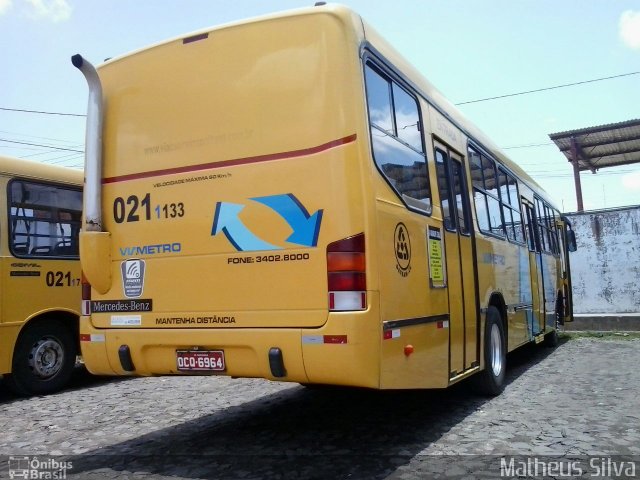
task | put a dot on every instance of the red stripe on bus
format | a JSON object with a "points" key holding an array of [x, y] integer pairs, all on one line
{"points": [[238, 161]]}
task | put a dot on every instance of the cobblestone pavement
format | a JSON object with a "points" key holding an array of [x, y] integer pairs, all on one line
{"points": [[579, 399]]}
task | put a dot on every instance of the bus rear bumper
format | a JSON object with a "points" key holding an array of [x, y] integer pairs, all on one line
{"points": [[153, 351], [342, 352]]}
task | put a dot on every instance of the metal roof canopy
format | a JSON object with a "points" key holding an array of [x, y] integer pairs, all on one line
{"points": [[599, 147]]}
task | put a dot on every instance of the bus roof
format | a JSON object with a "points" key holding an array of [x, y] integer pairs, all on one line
{"points": [[39, 171], [367, 34], [345, 13]]}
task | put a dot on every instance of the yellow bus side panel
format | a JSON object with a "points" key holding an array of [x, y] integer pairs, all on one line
{"points": [[503, 268], [405, 294], [50, 286], [426, 367]]}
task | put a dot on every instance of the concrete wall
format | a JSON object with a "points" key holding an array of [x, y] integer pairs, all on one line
{"points": [[605, 270]]}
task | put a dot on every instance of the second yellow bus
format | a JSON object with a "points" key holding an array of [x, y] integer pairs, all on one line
{"points": [[40, 218]]}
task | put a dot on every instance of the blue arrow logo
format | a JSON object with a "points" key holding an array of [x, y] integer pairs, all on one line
{"points": [[306, 228], [226, 220]]}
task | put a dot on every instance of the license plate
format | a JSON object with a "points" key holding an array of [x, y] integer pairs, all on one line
{"points": [[200, 360]]}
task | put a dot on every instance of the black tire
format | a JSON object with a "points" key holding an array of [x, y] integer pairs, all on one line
{"points": [[560, 309], [43, 359], [490, 381], [551, 338]]}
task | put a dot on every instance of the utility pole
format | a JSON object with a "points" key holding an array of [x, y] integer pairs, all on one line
{"points": [[576, 173]]}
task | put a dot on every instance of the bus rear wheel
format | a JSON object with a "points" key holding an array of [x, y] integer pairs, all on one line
{"points": [[43, 359], [551, 339], [490, 381]]}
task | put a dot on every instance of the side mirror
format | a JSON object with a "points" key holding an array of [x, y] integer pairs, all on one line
{"points": [[571, 241]]}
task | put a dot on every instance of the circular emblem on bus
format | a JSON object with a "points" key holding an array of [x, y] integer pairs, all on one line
{"points": [[402, 247]]}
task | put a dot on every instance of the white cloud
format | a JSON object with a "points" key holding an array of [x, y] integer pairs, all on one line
{"points": [[629, 29], [4, 6], [54, 10], [631, 181]]}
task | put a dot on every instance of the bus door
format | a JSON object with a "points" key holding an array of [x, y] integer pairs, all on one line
{"points": [[458, 240], [536, 321], [567, 244]]}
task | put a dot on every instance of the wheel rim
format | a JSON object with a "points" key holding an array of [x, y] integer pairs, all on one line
{"points": [[496, 351], [46, 358]]}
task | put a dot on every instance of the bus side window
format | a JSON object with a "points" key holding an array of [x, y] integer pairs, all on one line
{"points": [[491, 187], [510, 206], [442, 167], [379, 101], [479, 197], [407, 118], [517, 210], [485, 193], [459, 197], [532, 240], [44, 219], [546, 223], [396, 138]]}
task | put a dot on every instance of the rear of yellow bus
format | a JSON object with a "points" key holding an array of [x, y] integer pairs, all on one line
{"points": [[232, 195]]}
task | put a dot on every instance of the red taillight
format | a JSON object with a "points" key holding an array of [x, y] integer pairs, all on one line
{"points": [[85, 308], [350, 244], [346, 271], [345, 262], [346, 281]]}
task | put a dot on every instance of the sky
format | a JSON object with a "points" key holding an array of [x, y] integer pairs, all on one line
{"points": [[469, 49]]}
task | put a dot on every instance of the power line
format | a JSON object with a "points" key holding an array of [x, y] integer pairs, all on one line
{"points": [[45, 152], [40, 145], [567, 175], [41, 112], [61, 159], [531, 145], [17, 147], [547, 88], [64, 163], [68, 142]]}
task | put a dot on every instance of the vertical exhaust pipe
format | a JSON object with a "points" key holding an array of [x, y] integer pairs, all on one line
{"points": [[95, 243], [93, 146]]}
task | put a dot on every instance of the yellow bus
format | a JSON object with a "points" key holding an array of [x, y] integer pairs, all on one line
{"points": [[286, 197], [40, 293]]}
